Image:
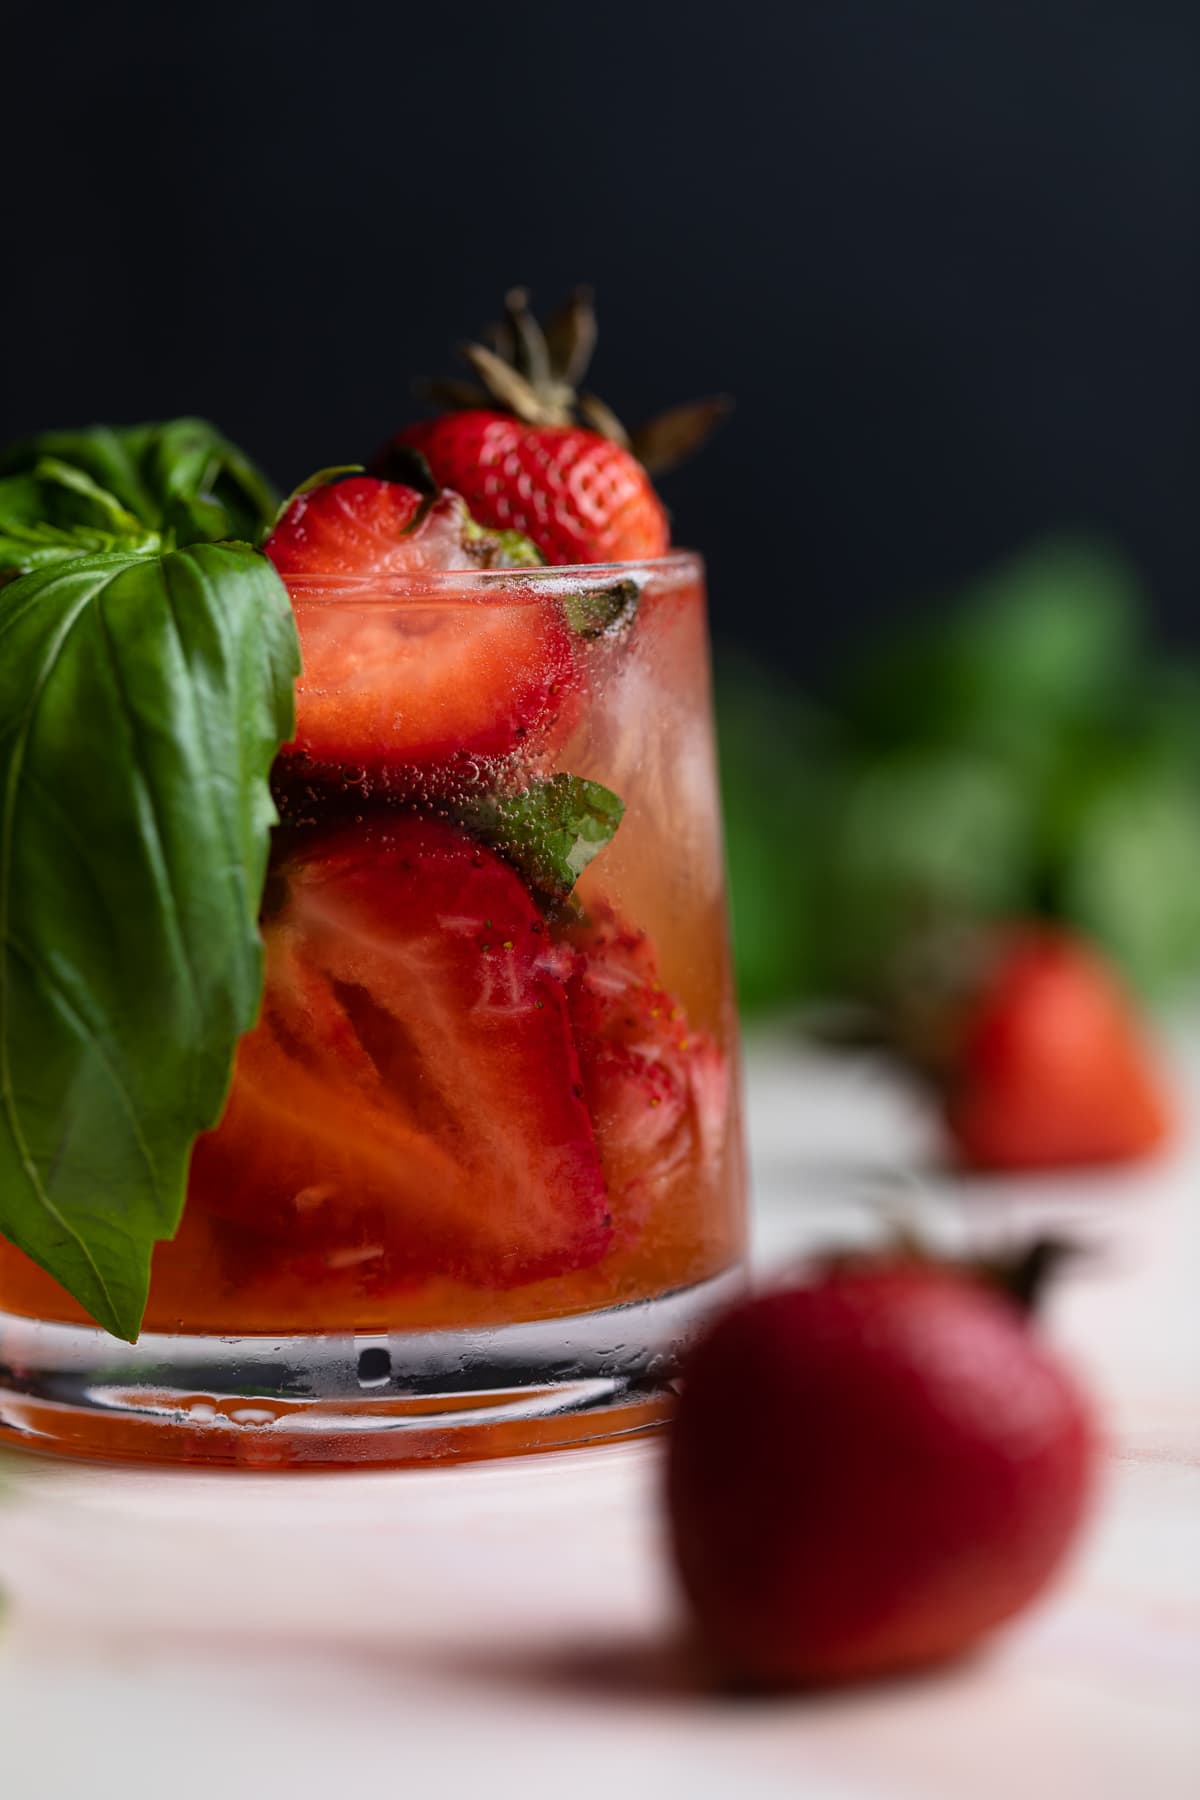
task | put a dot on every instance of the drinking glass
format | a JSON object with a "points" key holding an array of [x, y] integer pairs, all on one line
{"points": [[480, 1171]]}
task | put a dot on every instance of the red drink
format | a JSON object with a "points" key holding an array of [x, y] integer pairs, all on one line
{"points": [[483, 1107]]}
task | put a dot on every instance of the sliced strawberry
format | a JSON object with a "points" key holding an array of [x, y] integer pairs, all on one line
{"points": [[410, 1104], [355, 527], [394, 682], [658, 1092]]}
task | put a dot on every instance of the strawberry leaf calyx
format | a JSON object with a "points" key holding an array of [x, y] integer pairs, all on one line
{"points": [[501, 549], [1025, 1275], [535, 373]]}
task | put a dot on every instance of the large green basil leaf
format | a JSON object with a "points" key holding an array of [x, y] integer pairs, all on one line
{"points": [[182, 477], [142, 701]]}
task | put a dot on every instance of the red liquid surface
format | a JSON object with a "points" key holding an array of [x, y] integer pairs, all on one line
{"points": [[463, 1106]]}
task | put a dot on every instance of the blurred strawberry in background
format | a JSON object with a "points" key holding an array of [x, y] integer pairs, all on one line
{"points": [[1028, 1044], [1024, 756]]}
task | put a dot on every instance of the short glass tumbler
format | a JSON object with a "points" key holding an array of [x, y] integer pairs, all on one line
{"points": [[480, 1172]]}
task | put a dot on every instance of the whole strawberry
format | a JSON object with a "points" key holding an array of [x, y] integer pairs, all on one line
{"points": [[870, 1473], [529, 454], [1036, 1052]]}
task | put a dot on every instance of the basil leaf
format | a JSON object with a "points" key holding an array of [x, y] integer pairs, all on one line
{"points": [[181, 477], [57, 511], [142, 701], [603, 612], [550, 830]]}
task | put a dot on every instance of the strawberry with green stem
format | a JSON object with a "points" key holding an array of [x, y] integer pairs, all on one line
{"points": [[529, 452]]}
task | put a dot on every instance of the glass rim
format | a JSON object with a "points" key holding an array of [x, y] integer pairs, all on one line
{"points": [[543, 580]]}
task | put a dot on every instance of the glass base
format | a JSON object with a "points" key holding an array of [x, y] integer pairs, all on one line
{"points": [[377, 1399]]}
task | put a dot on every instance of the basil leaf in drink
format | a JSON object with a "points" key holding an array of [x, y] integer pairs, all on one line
{"points": [[183, 476], [603, 612], [550, 830], [56, 511], [142, 701]]}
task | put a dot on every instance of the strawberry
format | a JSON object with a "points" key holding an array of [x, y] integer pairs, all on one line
{"points": [[580, 497], [557, 467], [1035, 1050], [410, 1102], [870, 1473], [657, 1091], [411, 684]]}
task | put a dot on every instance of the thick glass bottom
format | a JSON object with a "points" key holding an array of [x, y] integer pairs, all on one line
{"points": [[366, 1400]]}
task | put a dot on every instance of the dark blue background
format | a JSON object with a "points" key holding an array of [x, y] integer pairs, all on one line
{"points": [[947, 256]]}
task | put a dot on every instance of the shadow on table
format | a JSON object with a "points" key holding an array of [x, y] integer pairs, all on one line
{"points": [[633, 1671]]}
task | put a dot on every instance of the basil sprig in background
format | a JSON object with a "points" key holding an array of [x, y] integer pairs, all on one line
{"points": [[1027, 751], [146, 679]]}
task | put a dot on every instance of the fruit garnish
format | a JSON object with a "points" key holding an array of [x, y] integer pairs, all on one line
{"points": [[363, 526], [412, 683], [869, 1473], [657, 1090], [529, 452], [411, 1101], [1036, 1053]]}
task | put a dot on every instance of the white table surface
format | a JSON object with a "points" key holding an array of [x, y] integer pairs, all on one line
{"points": [[507, 1629]]}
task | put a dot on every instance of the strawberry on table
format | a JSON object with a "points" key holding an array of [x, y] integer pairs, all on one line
{"points": [[530, 454], [869, 1473], [411, 1101], [403, 684], [1035, 1051]]}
